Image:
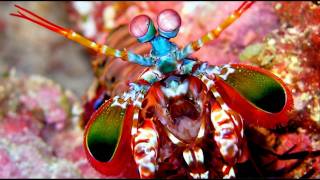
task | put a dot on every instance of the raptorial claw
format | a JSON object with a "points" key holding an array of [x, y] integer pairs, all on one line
{"points": [[107, 140], [252, 92]]}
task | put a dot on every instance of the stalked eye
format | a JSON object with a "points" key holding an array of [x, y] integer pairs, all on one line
{"points": [[139, 26], [169, 23], [142, 28]]}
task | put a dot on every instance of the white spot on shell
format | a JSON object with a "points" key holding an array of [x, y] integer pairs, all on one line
{"points": [[176, 91]]}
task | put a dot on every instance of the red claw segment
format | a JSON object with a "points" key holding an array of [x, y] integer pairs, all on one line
{"points": [[139, 25], [169, 20], [238, 95], [122, 163]]}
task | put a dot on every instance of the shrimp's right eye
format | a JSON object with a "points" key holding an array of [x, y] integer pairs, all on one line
{"points": [[169, 22], [142, 28]]}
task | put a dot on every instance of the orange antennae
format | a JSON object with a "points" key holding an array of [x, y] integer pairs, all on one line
{"points": [[39, 20], [103, 49], [213, 34], [35, 15], [244, 6]]}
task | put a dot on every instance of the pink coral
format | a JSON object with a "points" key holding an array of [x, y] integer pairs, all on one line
{"points": [[38, 129]]}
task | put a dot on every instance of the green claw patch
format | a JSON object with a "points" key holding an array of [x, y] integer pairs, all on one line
{"points": [[258, 88], [259, 96], [105, 132]]}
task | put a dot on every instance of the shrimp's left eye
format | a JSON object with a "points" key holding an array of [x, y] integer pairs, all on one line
{"points": [[169, 23], [142, 28]]}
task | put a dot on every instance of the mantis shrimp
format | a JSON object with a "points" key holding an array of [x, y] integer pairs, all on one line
{"points": [[181, 114]]}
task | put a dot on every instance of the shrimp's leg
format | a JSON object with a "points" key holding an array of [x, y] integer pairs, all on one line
{"points": [[228, 127], [145, 148], [144, 137], [194, 157]]}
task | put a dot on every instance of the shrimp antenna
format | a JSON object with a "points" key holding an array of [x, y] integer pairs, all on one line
{"points": [[70, 34], [213, 34]]}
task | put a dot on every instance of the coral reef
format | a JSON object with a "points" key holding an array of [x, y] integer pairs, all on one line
{"points": [[292, 53], [38, 122]]}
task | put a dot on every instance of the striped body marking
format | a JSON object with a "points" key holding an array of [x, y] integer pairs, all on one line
{"points": [[137, 107], [194, 158], [145, 149]]}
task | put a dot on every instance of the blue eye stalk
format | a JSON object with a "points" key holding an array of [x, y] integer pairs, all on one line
{"points": [[169, 34]]}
